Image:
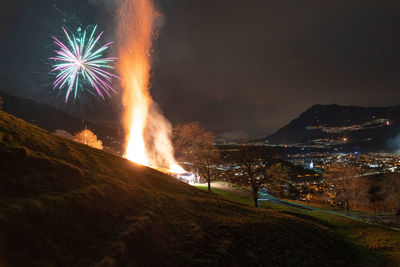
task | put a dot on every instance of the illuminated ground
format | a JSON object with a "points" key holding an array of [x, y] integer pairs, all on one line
{"points": [[66, 204]]}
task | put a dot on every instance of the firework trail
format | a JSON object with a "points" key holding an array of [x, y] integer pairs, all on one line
{"points": [[79, 61]]}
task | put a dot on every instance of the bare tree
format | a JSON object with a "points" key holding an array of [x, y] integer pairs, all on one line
{"points": [[341, 184], [392, 191], [277, 177], [356, 189], [250, 165], [87, 137], [194, 144]]}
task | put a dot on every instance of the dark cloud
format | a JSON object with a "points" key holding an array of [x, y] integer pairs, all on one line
{"points": [[254, 65], [238, 67]]}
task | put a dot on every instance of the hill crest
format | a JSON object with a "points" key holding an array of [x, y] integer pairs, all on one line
{"points": [[51, 119], [345, 127]]}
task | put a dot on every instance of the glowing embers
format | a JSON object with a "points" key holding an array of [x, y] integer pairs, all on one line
{"points": [[147, 131]]}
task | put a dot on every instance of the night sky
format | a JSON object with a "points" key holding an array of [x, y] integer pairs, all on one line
{"points": [[241, 68]]}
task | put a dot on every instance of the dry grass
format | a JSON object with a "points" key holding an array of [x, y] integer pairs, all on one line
{"points": [[66, 204], [376, 245]]}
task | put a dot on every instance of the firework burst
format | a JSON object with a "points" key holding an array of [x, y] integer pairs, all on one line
{"points": [[82, 62]]}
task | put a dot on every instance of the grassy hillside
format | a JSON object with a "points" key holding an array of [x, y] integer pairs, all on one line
{"points": [[384, 241], [66, 204], [51, 119]]}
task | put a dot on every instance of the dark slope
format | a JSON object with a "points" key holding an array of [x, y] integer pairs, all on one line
{"points": [[66, 204], [51, 119], [370, 137]]}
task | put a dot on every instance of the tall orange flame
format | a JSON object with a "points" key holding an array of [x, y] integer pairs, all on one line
{"points": [[147, 131]]}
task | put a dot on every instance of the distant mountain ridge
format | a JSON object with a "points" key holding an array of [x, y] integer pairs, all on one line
{"points": [[345, 127], [50, 119]]}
